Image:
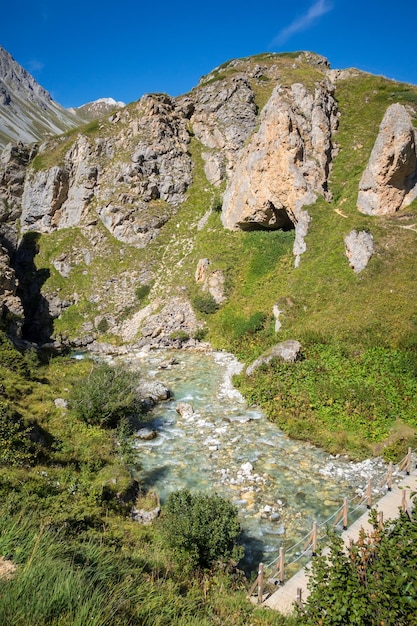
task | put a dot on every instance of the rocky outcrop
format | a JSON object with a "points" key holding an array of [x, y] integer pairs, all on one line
{"points": [[210, 280], [389, 181], [224, 116], [13, 164], [286, 163], [134, 195], [170, 326], [288, 351], [359, 247], [11, 309]]}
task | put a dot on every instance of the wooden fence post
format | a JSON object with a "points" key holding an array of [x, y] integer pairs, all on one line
{"points": [[345, 514], [408, 466], [260, 583], [389, 479], [369, 494], [381, 519], [314, 539], [300, 597], [403, 502], [281, 565]]}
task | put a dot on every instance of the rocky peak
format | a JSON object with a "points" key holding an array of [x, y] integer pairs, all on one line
{"points": [[27, 111]]}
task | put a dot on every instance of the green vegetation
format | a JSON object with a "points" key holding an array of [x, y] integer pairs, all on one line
{"points": [[201, 529], [205, 303], [373, 582], [106, 396], [356, 400]]}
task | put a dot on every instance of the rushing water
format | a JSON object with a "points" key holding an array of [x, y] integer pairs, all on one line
{"points": [[279, 485]]}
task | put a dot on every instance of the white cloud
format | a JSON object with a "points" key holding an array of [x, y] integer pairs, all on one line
{"points": [[316, 10], [35, 66]]}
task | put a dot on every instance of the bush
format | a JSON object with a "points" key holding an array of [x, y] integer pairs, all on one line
{"points": [[200, 528], [16, 447], [181, 335], [142, 291], [205, 303], [106, 396], [373, 581]]}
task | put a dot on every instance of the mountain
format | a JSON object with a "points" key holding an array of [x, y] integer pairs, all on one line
{"points": [[27, 111], [96, 109], [276, 201]]}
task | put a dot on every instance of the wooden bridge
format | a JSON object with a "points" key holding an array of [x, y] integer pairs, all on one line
{"points": [[294, 590]]}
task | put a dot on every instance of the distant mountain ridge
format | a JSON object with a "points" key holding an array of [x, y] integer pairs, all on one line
{"points": [[98, 108], [27, 111]]}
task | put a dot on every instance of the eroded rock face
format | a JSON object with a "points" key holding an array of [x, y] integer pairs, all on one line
{"points": [[389, 181], [359, 247], [224, 116], [11, 309], [210, 280], [286, 163], [136, 176], [13, 163]]}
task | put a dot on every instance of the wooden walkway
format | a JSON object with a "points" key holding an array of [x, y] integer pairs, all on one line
{"points": [[283, 598]]}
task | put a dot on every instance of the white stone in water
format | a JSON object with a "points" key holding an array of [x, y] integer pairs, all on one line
{"points": [[246, 468], [267, 508]]}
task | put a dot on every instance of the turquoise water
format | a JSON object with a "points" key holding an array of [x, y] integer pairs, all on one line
{"points": [[279, 485]]}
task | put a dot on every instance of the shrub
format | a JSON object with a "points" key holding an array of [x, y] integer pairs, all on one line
{"points": [[200, 528], [106, 396], [205, 303], [200, 334], [142, 291], [181, 335], [103, 325], [371, 582], [15, 445]]}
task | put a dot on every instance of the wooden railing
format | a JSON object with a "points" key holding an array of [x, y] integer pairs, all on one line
{"points": [[277, 567]]}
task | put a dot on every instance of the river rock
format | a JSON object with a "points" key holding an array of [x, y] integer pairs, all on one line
{"points": [[184, 409], [145, 517], [153, 392], [146, 434], [288, 351]]}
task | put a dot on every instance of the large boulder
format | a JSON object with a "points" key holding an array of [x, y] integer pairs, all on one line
{"points": [[359, 247], [389, 180], [288, 351]]}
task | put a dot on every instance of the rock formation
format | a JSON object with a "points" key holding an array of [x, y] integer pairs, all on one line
{"points": [[288, 351], [389, 181], [359, 247], [285, 164]]}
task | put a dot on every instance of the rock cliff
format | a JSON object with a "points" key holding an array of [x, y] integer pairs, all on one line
{"points": [[150, 198]]}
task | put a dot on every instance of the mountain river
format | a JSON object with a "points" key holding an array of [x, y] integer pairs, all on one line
{"points": [[279, 485]]}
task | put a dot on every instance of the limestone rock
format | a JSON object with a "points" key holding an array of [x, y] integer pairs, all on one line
{"points": [[286, 163], [359, 247], [211, 281], [224, 116], [184, 409], [154, 391], [11, 309], [176, 315], [13, 163], [288, 351], [389, 180]]}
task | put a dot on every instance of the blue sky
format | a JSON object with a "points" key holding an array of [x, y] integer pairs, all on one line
{"points": [[82, 50]]}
